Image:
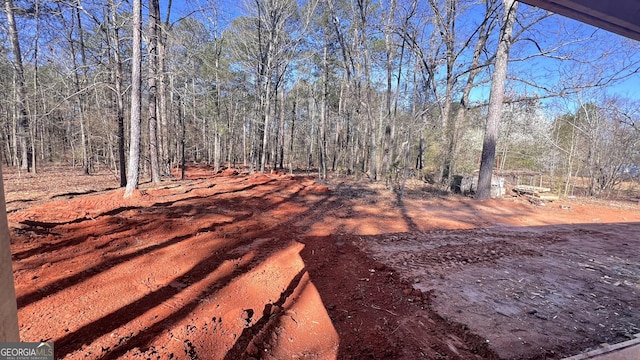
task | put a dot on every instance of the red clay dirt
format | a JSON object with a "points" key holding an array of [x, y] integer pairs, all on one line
{"points": [[271, 266]]}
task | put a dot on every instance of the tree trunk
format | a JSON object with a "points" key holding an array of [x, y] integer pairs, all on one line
{"points": [[420, 157], [118, 100], [389, 127], [80, 86], [36, 86], [294, 114], [8, 309], [495, 100], [218, 123], [134, 143], [312, 115], [244, 140], [323, 114], [216, 151], [371, 123], [162, 102], [282, 134], [570, 161], [230, 137], [14, 128], [154, 25], [266, 109], [181, 119]]}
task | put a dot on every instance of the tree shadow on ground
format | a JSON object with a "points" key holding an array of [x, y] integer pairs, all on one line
{"points": [[246, 225], [171, 210]]}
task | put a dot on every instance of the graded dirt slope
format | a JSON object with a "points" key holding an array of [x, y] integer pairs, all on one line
{"points": [[232, 266]]}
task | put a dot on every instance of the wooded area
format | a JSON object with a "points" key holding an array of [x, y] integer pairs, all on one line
{"points": [[386, 89]]}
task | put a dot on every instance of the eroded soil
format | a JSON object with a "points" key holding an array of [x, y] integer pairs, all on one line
{"points": [[273, 266]]}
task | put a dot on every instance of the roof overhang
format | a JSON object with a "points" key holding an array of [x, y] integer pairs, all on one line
{"points": [[619, 16]]}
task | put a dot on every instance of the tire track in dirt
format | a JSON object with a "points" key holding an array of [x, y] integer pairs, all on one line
{"points": [[230, 265], [441, 251], [73, 236], [544, 292], [382, 315]]}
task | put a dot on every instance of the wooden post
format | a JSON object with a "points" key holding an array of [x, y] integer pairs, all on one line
{"points": [[8, 308]]}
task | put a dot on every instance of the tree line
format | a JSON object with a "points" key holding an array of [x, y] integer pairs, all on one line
{"points": [[386, 89]]}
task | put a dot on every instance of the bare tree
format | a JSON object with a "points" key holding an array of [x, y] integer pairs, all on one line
{"points": [[21, 90], [268, 40], [495, 100], [154, 27], [36, 86], [602, 140], [323, 113], [352, 28], [134, 142], [114, 40], [163, 125], [391, 100], [473, 69]]}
